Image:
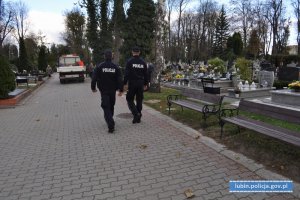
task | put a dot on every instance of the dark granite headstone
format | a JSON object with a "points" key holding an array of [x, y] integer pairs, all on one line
{"points": [[289, 74], [266, 66]]}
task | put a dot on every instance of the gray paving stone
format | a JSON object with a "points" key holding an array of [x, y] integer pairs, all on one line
{"points": [[104, 196], [55, 145]]}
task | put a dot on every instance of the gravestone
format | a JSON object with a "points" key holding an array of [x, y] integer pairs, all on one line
{"points": [[266, 66], [292, 64], [265, 78], [289, 74], [256, 69]]}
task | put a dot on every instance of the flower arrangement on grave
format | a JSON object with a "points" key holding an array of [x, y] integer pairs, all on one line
{"points": [[216, 64], [202, 69], [295, 85], [179, 76], [166, 77]]}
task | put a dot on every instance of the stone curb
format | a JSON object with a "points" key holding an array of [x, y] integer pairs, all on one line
{"points": [[250, 164], [12, 102]]}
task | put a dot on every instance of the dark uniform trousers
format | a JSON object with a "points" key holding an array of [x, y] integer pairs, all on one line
{"points": [[108, 100], [135, 90]]}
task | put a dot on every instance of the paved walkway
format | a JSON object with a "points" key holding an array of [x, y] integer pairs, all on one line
{"points": [[55, 145]]}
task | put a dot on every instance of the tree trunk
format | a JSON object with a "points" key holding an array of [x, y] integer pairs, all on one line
{"points": [[159, 44], [117, 46]]}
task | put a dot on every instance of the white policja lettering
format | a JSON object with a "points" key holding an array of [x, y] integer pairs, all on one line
{"points": [[108, 70], [137, 66]]}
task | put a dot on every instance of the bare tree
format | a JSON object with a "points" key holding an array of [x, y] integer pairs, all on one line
{"points": [[243, 14], [276, 10], [21, 19], [296, 6], [207, 15], [283, 35], [180, 6], [262, 26], [6, 20], [170, 6]]}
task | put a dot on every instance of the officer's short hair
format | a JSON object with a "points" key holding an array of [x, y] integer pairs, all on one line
{"points": [[108, 54], [136, 49]]}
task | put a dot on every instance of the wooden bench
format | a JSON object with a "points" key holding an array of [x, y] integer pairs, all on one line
{"points": [[21, 79], [207, 104], [208, 86], [233, 116]]}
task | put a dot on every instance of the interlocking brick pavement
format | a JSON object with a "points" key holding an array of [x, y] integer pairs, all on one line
{"points": [[55, 145]]}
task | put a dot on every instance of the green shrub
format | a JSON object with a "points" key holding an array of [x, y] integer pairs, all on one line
{"points": [[280, 84], [244, 66], [7, 78], [217, 64]]}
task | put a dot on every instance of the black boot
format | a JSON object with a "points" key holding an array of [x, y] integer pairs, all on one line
{"points": [[137, 118], [111, 129]]}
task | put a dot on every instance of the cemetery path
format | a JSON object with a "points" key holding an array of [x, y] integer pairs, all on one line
{"points": [[56, 146]]}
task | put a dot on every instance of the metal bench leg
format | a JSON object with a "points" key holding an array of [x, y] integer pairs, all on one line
{"points": [[222, 131], [239, 130], [204, 120], [169, 105]]}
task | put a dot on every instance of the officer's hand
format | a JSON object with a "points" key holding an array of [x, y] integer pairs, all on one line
{"points": [[145, 87], [125, 88], [120, 94], [94, 90]]}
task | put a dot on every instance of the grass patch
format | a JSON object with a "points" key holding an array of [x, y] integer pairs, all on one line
{"points": [[276, 155], [275, 122]]}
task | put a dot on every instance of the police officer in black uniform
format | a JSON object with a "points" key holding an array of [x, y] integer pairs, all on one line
{"points": [[108, 77], [137, 78]]}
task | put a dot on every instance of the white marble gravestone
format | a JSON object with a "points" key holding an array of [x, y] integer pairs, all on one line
{"points": [[265, 78]]}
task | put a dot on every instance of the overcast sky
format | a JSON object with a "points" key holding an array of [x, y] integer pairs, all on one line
{"points": [[47, 16]]}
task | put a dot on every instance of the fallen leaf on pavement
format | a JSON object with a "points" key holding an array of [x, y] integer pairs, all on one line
{"points": [[189, 193], [143, 146], [178, 154], [197, 137]]}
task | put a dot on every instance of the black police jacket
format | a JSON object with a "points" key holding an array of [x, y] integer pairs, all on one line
{"points": [[108, 77], [136, 69]]}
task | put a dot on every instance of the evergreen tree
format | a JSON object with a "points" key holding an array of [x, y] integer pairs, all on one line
{"points": [[105, 39], [118, 19], [221, 34], [31, 50], [7, 78], [139, 29], [74, 34], [92, 32], [254, 44], [235, 44], [53, 55], [42, 59], [23, 58]]}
